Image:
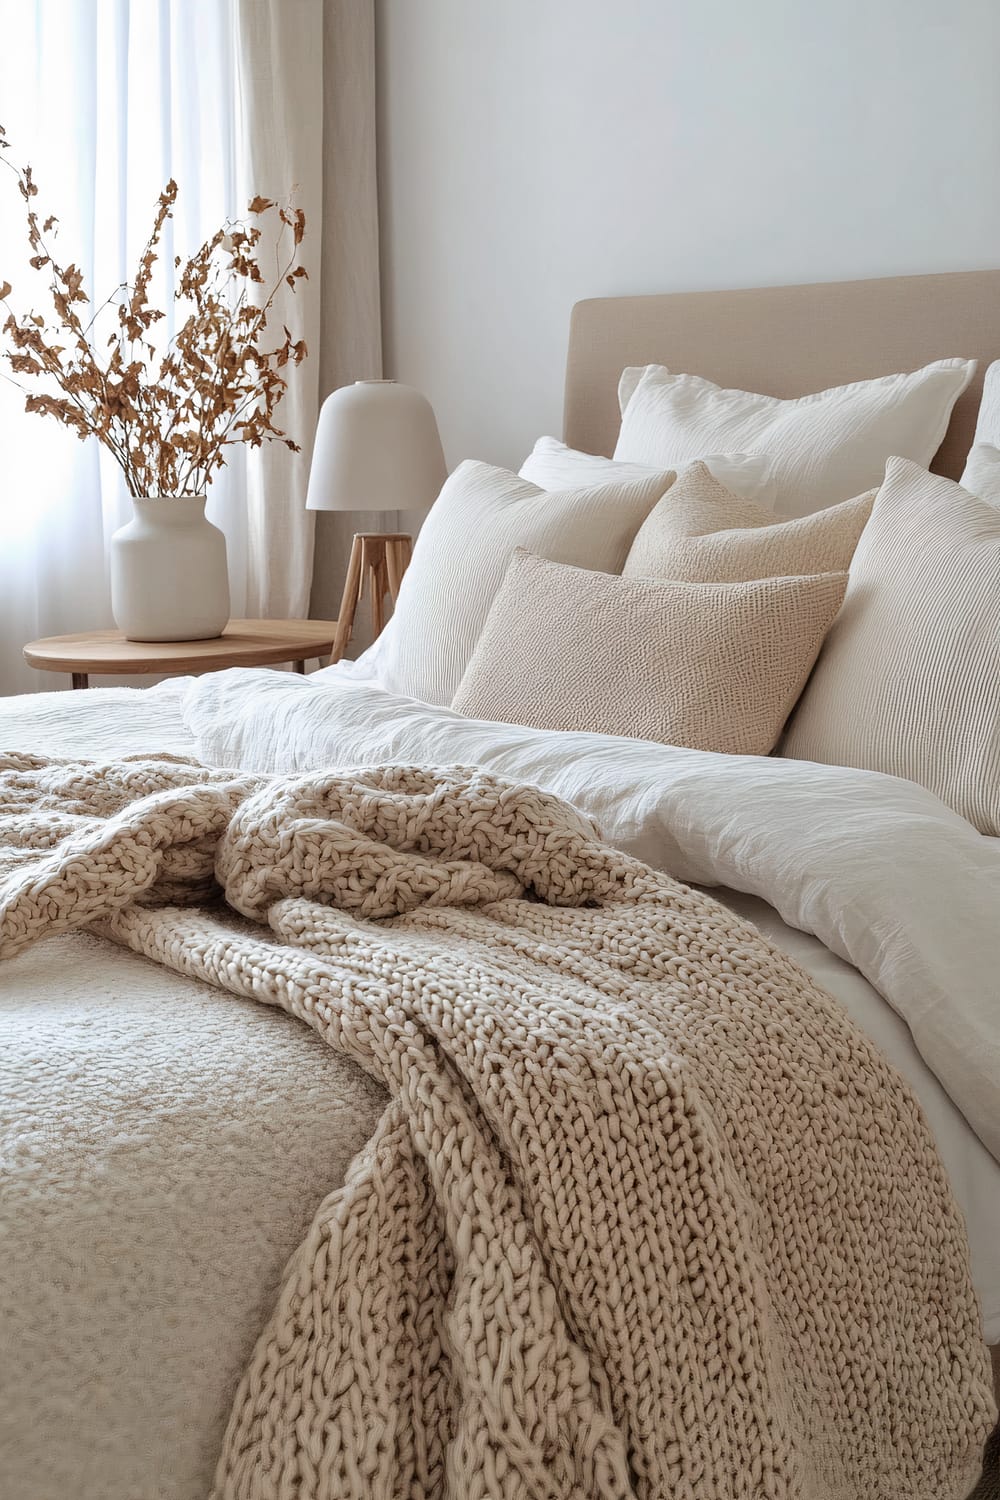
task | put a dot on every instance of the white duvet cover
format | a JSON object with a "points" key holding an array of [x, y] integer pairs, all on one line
{"points": [[874, 886]]}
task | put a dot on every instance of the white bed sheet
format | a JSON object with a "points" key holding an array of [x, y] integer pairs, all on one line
{"points": [[99, 722], [174, 716]]}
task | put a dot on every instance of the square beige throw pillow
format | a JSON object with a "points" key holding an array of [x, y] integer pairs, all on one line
{"points": [[909, 679], [464, 546], [712, 666], [702, 533]]}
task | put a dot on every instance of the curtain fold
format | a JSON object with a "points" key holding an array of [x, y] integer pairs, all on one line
{"points": [[279, 149], [107, 99], [350, 312]]}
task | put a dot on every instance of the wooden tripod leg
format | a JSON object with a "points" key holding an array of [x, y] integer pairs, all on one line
{"points": [[377, 576], [377, 564], [398, 550], [349, 601], [393, 572], [404, 555]]}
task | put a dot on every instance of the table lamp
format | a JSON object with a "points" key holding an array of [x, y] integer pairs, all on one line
{"points": [[377, 448]]}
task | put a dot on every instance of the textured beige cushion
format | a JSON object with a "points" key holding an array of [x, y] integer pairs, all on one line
{"points": [[702, 533], [480, 516], [909, 679], [709, 666], [823, 448]]}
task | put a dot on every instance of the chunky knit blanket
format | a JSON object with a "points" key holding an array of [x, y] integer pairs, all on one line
{"points": [[646, 1215]]}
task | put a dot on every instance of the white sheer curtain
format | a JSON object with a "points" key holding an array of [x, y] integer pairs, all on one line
{"points": [[107, 99]]}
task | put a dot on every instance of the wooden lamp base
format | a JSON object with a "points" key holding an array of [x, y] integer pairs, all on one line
{"points": [[378, 562]]}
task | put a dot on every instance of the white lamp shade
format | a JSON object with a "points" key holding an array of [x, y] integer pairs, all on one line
{"points": [[377, 448]]}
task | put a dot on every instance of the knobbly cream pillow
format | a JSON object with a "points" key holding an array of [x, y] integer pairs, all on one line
{"points": [[553, 466], [701, 533], [822, 448], [712, 666], [463, 549], [909, 679]]}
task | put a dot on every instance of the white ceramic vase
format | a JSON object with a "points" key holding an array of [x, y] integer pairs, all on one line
{"points": [[169, 580]]}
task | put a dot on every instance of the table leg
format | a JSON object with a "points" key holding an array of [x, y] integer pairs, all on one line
{"points": [[300, 667], [80, 680]]}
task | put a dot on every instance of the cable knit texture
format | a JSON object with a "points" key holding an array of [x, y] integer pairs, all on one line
{"points": [[646, 1214]]}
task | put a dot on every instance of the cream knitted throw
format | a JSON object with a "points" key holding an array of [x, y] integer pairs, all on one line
{"points": [[646, 1214]]}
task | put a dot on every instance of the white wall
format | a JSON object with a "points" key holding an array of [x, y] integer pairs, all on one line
{"points": [[533, 152]]}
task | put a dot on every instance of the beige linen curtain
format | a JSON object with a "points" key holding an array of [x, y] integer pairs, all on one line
{"points": [[307, 101], [350, 317]]}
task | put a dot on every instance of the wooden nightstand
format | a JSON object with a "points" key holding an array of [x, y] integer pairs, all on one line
{"points": [[243, 643]]}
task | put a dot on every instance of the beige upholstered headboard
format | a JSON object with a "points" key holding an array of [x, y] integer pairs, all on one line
{"points": [[784, 341]]}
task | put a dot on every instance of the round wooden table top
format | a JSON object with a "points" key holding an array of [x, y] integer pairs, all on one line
{"points": [[243, 643]]}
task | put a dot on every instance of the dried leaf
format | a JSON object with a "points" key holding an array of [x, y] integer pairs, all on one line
{"points": [[168, 424]]}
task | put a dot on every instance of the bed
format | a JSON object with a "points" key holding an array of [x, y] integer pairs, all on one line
{"points": [[151, 1267]]}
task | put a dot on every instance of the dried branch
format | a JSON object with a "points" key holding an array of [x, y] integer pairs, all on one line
{"points": [[166, 414]]}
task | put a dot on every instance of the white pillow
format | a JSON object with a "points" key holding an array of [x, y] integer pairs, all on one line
{"points": [[908, 681], [481, 515], [823, 448], [553, 466], [981, 475]]}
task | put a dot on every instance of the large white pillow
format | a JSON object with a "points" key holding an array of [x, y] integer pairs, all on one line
{"points": [[908, 681], [822, 448], [481, 515], [982, 470], [553, 466]]}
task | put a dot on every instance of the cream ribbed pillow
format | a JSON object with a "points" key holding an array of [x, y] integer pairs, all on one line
{"points": [[464, 546], [710, 666], [701, 533], [982, 469], [554, 466], [909, 678], [823, 448]]}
